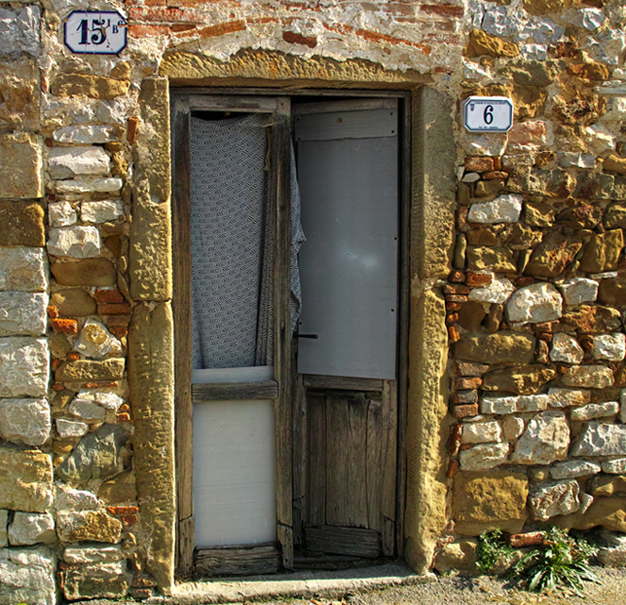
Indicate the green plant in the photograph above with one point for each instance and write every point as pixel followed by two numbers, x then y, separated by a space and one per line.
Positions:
pixel 492 550
pixel 560 561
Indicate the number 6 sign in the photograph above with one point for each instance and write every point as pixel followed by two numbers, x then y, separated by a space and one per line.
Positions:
pixel 95 32
pixel 488 114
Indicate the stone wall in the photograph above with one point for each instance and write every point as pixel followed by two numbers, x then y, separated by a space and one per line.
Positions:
pixel 528 280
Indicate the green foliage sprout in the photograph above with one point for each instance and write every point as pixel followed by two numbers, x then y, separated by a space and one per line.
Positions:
pixel 492 550
pixel 560 561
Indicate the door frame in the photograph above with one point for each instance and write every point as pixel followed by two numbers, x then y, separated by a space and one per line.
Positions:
pixel 275 102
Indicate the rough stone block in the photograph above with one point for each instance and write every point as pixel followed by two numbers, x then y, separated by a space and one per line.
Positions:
pixel 97 455
pixel 565 348
pixel 21 166
pixel 28 487
pixel 545 440
pixel 71 428
pixel 486 258
pixel 84 370
pixel 481 501
pixel 23 269
pixel 96 87
pixel 24 367
pixel 484 456
pixel 19 95
pixel 61 214
pixel 504 209
pixel 554 498
pixel 595 410
pixel 108 581
pixel 93 554
pixel 110 185
pixel 498 291
pixel 86 135
pixel 22 223
pixel 32 528
pixel 75 499
pixel 535 303
pixel 481 432
pixel 459 555
pixel 75 242
pixel 87 410
pixel 150 251
pixel 27 576
pixel 23 313
pixel 89 272
pixel 593 377
pixel 599 439
pixel 4 522
pixel 96 341
pixel 121 489
pixel 69 162
pixel 524 380
pixel 25 420
pixel 501 347
pixel 74 302
pixel 570 469
pixel 609 347
pixel 617 466
pixel 603 486
pixel 88 526
pixel 101 212
pixel 20 31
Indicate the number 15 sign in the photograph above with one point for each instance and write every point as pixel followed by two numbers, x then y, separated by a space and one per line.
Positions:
pixel 95 32
pixel 488 114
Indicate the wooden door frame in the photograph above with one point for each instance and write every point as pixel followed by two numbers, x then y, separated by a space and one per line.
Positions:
pixel 183 101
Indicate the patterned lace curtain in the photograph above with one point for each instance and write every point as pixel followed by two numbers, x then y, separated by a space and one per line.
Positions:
pixel 231 243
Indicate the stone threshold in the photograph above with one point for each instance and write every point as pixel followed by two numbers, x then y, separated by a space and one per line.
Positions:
pixel 327 585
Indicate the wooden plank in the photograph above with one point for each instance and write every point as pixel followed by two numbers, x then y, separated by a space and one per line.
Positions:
pixel 388 466
pixel 285 539
pixel 266 389
pixel 374 481
pixel 186 543
pixel 406 180
pixel 356 541
pixel 281 186
pixel 238 103
pixel 346 462
pixel 342 383
pixel 181 304
pixel 237 561
pixel 316 464
pixel 347 105
pixel 326 561
pixel 299 457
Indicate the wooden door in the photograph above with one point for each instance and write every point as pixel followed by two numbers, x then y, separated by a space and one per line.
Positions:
pixel 346 408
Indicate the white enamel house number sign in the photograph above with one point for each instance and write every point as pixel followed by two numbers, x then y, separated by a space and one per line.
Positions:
pixel 488 114
pixel 95 32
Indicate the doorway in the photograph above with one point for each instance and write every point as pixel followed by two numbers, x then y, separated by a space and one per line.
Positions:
pixel 318 416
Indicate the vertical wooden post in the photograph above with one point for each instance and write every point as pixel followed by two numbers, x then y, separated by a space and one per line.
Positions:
pixel 281 159
pixel 181 250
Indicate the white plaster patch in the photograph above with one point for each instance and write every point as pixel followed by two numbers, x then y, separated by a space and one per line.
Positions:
pixel 19 31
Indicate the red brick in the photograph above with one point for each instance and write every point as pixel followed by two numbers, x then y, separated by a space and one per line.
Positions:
pixel 179 28
pixel 545 336
pixel 100 385
pixel 467 368
pixel 469 382
pixel 464 397
pixel 114 309
pixel 455 298
pixel 520 282
pixel 118 320
pixel 531 538
pixel 57 387
pixel 545 326
pixel 142 30
pixel 55 363
pixel 123 417
pixel 456 289
pixel 452 318
pixel 73 356
pixel 163 15
pixel 457 276
pixel 295 38
pixel 453 334
pixel 497 163
pixel 122 510
pixel 109 296
pixel 479 164
pixel 495 175
pixel 219 30
pixel 68 326
pixel 478 279
pixel 119 331
pixel 453 468
pixel 452 307
pixel 53 312
pixel 443 10
pixel 131 136
pixel 465 411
